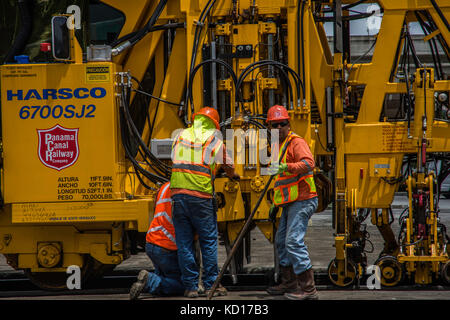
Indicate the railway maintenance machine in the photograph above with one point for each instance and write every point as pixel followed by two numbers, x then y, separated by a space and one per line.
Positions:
pixel 87 128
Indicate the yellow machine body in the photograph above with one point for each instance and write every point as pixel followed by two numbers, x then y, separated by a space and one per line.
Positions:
pixel 85 206
pixel 60 124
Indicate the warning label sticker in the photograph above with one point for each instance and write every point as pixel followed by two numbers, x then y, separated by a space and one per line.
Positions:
pixel 97 73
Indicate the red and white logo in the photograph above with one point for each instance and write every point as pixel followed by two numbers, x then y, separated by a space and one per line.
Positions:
pixel 58 147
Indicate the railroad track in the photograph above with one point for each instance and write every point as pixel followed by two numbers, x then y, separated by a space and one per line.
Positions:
pixel 20 286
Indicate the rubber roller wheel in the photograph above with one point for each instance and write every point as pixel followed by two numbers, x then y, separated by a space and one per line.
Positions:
pixel 391 271
pixel 338 276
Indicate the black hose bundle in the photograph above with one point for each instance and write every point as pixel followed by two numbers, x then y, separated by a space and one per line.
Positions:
pixel 132 140
pixel 198 29
pixel 133 38
pixel 283 68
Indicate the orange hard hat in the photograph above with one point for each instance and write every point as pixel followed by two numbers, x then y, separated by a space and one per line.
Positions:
pixel 277 113
pixel 210 113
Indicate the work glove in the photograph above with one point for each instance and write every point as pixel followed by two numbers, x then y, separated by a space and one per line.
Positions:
pixel 282 167
pixel 273 213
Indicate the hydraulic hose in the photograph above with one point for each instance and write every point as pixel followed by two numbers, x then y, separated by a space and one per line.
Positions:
pixel 278 65
pixel 198 31
pixel 441 15
pixel 245 73
pixel 25 30
pixel 141 33
pixel 152 29
pixel 189 95
pixel 164 169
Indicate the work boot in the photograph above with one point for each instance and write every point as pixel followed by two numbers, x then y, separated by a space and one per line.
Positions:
pixel 288 282
pixel 191 293
pixel 220 291
pixel 307 290
pixel 139 285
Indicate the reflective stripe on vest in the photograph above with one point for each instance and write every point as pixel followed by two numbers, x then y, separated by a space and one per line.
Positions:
pixel 158 228
pixel 191 169
pixel 161 231
pixel 286 186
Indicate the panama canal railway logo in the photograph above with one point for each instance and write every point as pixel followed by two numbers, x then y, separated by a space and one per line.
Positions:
pixel 58 147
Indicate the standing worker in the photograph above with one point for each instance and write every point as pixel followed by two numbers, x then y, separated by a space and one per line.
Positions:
pixel 196 151
pixel 161 248
pixel 295 192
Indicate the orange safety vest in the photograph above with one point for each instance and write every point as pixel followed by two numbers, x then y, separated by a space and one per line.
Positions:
pixel 286 189
pixel 161 231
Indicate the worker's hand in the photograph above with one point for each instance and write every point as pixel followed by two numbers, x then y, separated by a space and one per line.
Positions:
pixel 273 213
pixel 282 167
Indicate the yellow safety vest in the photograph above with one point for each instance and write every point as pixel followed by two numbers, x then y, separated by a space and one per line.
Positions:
pixel 193 163
pixel 287 184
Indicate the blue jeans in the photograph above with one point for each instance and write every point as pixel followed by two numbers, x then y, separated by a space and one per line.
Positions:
pixel 193 215
pixel 290 235
pixel 166 280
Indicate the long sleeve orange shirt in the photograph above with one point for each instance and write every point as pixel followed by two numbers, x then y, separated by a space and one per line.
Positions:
pixel 300 160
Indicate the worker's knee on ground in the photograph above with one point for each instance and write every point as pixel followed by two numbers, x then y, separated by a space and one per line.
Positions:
pixel 153 283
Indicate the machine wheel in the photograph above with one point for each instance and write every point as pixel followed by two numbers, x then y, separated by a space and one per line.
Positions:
pixel 391 271
pixel 57 281
pixel 445 272
pixel 338 277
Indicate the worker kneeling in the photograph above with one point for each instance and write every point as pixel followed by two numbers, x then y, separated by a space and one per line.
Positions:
pixel 161 248
pixel 295 192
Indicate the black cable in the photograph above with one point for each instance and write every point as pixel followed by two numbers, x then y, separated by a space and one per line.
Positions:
pixel 152 29
pixel 189 94
pixel 133 39
pixel 346 18
pixel 406 71
pixel 156 162
pixel 246 72
pixel 441 15
pixel 154 17
pixel 318 137
pixel 151 176
pixel 195 45
pixel 278 65
pixel 274 63
pixel 432 27
pixel 413 50
pixel 156 98
pixel 433 47
pixel 300 34
pixel 285 83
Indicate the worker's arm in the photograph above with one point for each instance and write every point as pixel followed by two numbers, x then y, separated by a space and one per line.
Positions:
pixel 299 157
